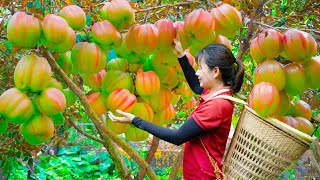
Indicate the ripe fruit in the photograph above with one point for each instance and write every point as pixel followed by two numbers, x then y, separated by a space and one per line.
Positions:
pixel 147 83
pixel 181 33
pixel 55 28
pixel 97 101
pixel 296 82
pixel 88 58
pixel 228 20
pixel 312 71
pixel 264 98
pixel 304 125
pixel 115 79
pixel 284 105
pixel 270 43
pixel 15 106
pixel 32 72
pixel 119 13
pixel 270 71
pixel 94 81
pixel 51 101
pixel 167 33
pixel 38 130
pixel 75 16
pixel 121 99
pixel 302 109
pixel 289 120
pixel 106 35
pixel 199 26
pixel 255 51
pixel 23 30
pixel 223 40
pixel 298 45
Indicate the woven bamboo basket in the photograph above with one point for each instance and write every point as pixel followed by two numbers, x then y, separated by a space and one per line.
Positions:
pixel 260 150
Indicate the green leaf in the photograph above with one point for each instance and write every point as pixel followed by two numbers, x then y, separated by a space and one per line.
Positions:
pixel 103 167
pixel 38 5
pixel 88 20
pixel 30 4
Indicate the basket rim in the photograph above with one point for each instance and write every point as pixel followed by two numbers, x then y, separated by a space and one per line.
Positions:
pixel 290 131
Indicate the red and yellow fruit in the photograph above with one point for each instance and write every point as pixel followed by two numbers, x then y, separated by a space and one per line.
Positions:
pixel 16 106
pixel 167 33
pixel 223 40
pixel 51 101
pixel 75 16
pixel 312 71
pixel 32 72
pixel 106 35
pixel 264 98
pixel 119 64
pixel 299 45
pixel 38 130
pixel 304 125
pixel 160 101
pixel 147 83
pixel 181 33
pixel 270 43
pixel 255 51
pixel 23 30
pixel 97 101
pixel 88 58
pixel 121 99
pixel 55 28
pixel 115 79
pixel 296 82
pixel 270 71
pixel 94 81
pixel 284 105
pixel 290 121
pixel 228 20
pixel 145 112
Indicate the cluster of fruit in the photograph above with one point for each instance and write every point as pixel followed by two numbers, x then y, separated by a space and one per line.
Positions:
pixel 276 84
pixel 144 79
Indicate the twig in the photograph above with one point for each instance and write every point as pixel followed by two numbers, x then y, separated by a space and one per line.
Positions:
pixel 152 151
pixel 285 28
pixel 167 5
pixel 84 133
pixel 244 43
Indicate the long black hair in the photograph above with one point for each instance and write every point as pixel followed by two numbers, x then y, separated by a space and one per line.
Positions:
pixel 232 69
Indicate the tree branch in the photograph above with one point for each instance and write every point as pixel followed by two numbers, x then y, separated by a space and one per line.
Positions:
pixel 276 28
pixel 178 163
pixel 167 5
pixel 84 133
pixel 104 131
pixel 153 149
pixel 244 43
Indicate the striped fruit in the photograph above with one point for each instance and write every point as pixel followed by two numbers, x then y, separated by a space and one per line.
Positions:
pixel 23 30
pixel 119 64
pixel 66 45
pixel 223 40
pixel 142 39
pixel 228 20
pixel 296 82
pixel 160 101
pixel 145 112
pixel 169 79
pixel 51 101
pixel 55 28
pixel 270 71
pixel 289 120
pixel 255 51
pixel 181 32
pixel 115 79
pixel 121 99
pixel 304 125
pixel 15 106
pixel 312 71
pixel 199 26
pixel 38 130
pixel 167 33
pixel 71 97
pixel 120 14
pixel 97 101
pixel 116 127
pixel 264 98
pixel 32 72
pixel 270 43
pixel 65 62
pixel 164 59
pixel 147 83
pixel 299 46
pixel 75 16
pixel 106 35
pixel 54 83
pixel 284 106
pixel 165 116
pixel 94 81
pixel 302 109
pixel 88 58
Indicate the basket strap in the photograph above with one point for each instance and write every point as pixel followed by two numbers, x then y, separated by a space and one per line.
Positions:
pixel 218 173
pixel 231 99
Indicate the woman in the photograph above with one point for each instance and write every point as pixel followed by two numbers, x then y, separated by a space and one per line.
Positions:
pixel 206 130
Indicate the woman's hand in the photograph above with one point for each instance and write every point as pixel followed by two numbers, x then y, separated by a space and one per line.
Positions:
pixel 177 48
pixel 126 117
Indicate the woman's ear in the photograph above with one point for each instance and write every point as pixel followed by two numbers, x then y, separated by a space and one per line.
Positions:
pixel 216 72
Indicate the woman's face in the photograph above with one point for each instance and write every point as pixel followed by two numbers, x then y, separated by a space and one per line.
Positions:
pixel 207 77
